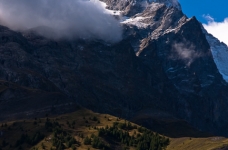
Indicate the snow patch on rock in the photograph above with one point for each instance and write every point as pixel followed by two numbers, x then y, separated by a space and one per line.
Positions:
pixel 137 21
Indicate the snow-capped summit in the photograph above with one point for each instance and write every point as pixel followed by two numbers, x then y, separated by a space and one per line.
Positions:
pixel 132 7
pixel 168 3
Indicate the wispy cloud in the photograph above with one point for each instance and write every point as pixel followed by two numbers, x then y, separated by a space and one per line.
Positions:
pixel 217 29
pixel 185 52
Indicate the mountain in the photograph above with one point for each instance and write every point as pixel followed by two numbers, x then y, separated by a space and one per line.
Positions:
pixel 165 68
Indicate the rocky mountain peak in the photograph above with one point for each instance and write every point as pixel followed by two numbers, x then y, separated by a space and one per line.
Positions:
pixel 168 3
pixel 132 7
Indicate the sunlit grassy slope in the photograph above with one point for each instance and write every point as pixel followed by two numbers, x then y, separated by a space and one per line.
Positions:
pixel 188 143
pixel 79 125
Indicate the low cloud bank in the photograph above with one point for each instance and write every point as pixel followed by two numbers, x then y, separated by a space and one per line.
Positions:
pixel 217 29
pixel 61 19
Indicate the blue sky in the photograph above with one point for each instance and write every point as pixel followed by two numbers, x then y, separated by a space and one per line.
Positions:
pixel 218 9
pixel 212 13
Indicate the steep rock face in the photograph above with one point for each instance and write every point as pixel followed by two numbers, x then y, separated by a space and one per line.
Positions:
pixel 92 73
pixel 190 67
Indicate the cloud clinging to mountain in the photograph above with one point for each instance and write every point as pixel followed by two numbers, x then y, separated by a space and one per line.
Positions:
pixel 62 18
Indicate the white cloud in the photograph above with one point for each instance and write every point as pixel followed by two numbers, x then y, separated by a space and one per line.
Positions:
pixel 61 18
pixel 217 29
pixel 185 52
